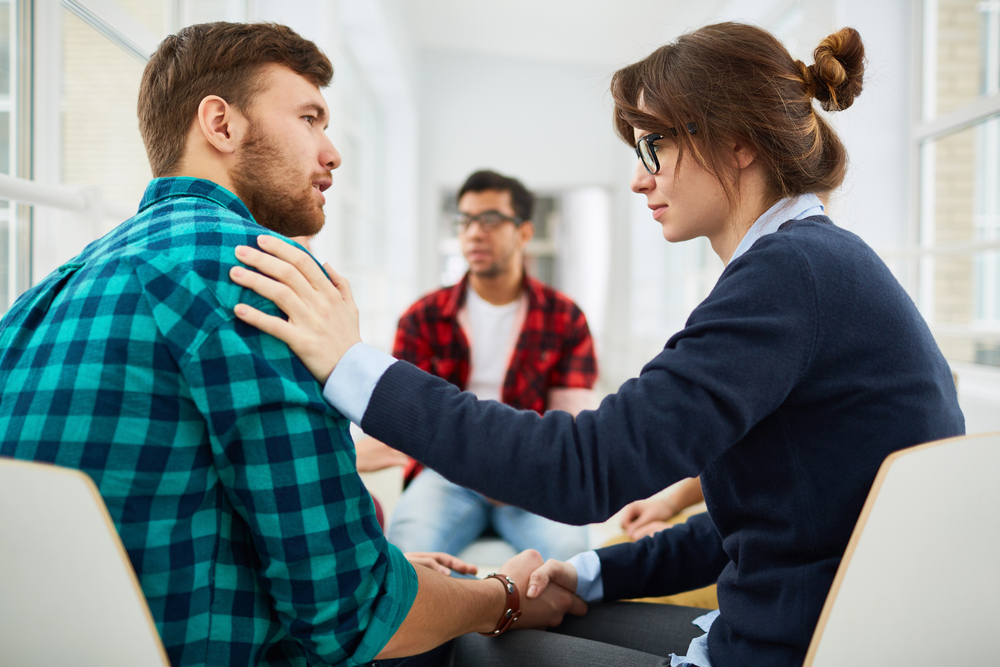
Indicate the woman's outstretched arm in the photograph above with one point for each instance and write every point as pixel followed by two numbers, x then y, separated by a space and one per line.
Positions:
pixel 743 351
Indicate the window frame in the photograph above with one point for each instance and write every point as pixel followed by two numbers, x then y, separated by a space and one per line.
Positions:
pixel 927 128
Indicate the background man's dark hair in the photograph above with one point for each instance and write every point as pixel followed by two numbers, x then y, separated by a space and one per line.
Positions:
pixel 521 199
pixel 221 59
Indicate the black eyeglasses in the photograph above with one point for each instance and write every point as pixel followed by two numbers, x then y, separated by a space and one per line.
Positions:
pixel 645 148
pixel 487 220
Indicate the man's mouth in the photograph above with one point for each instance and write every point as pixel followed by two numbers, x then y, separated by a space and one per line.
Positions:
pixel 323 184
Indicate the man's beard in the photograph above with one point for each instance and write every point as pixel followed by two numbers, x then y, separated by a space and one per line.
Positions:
pixel 498 266
pixel 491 271
pixel 265 188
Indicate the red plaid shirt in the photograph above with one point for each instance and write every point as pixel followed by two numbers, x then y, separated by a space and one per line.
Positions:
pixel 554 349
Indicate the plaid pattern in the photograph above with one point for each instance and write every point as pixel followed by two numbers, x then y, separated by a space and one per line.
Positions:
pixel 231 481
pixel 554 349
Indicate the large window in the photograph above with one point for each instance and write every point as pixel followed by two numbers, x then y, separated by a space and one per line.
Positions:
pixel 958 135
pixel 69 80
pixel 102 147
pixel 89 57
pixel 12 225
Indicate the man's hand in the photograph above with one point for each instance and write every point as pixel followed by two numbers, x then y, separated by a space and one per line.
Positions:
pixel 374 455
pixel 645 517
pixel 547 607
pixel 440 562
pixel 322 318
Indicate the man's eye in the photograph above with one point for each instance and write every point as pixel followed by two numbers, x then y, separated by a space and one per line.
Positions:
pixel 310 119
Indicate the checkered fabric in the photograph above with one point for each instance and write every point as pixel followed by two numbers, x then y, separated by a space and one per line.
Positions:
pixel 554 349
pixel 231 481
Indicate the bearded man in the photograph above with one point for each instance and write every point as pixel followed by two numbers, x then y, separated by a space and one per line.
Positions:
pixel 230 480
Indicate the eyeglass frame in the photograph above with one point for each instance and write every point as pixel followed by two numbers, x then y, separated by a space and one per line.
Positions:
pixel 647 140
pixel 463 220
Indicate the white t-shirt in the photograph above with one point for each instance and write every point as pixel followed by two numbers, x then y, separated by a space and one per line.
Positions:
pixel 491 330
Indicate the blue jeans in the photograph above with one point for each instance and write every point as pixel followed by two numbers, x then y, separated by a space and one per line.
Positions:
pixel 435 515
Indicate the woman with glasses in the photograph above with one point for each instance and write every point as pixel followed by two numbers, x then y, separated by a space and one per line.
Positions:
pixel 791 382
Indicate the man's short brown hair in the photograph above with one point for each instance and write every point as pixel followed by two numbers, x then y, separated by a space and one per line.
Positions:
pixel 221 59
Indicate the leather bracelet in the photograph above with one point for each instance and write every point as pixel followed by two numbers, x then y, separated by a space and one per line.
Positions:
pixel 512 608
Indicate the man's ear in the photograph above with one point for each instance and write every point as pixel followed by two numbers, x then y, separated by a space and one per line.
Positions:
pixel 525 232
pixel 221 124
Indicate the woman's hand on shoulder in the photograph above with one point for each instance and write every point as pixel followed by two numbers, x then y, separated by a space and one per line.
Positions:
pixel 322 317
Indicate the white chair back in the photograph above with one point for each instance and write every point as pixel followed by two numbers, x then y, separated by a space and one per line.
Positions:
pixel 919 583
pixel 68 593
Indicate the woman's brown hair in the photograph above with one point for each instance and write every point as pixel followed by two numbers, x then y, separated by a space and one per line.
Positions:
pixel 737 82
pixel 223 59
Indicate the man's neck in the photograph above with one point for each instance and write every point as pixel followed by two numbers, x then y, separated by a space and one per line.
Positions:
pixel 498 290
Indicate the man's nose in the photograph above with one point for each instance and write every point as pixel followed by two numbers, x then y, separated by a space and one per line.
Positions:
pixel 329 157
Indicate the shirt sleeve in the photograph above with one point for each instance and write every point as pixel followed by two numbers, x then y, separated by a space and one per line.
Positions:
pixel 410 345
pixel 350 385
pixel 577 365
pixel 589 584
pixel 285 462
pixel 288 468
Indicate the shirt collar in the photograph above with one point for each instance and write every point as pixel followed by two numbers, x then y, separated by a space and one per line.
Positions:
pixel 183 186
pixel 456 297
pixel 790 208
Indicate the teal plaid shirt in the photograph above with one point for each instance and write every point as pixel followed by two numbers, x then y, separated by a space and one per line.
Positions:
pixel 231 481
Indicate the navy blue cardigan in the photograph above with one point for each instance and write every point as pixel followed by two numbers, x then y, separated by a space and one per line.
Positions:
pixel 806 365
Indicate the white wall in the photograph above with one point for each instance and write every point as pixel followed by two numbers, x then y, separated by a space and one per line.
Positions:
pixel 546 123
pixel 383 262
pixel 875 200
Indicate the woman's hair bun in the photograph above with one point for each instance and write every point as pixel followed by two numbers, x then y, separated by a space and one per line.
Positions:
pixel 836 77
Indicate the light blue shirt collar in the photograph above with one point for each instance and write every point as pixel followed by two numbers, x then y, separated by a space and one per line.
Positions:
pixel 790 208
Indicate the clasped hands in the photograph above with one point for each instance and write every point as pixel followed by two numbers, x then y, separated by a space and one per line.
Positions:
pixel 547 588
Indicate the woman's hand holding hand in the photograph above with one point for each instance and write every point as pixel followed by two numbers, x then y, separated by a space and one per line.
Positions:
pixel 557 572
pixel 322 317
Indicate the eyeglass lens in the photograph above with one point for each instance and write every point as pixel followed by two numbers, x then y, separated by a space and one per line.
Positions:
pixel 488 219
pixel 647 152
